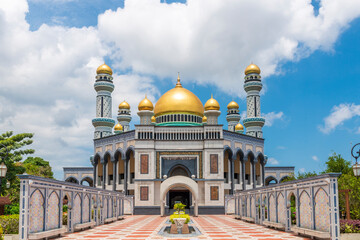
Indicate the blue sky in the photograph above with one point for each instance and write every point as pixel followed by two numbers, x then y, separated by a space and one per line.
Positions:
pixel 310 69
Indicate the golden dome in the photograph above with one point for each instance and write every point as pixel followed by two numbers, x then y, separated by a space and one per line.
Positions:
pixel 153 119
pixel 118 127
pixel 145 104
pixel 212 104
pixel 233 105
pixel 252 68
pixel 239 127
pixel 124 105
pixel 204 119
pixel 177 100
pixel 104 69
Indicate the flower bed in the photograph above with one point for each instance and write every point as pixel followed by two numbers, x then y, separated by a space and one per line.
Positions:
pixel 349 226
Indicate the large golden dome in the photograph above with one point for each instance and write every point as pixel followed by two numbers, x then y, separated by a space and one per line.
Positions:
pixel 179 100
pixel 212 104
pixel 104 69
pixel 145 104
pixel 252 68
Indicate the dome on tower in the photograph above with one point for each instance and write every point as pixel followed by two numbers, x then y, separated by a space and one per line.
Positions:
pixel 239 127
pixel 179 100
pixel 153 119
pixel 104 69
pixel 252 68
pixel 124 105
pixel 212 104
pixel 118 127
pixel 204 119
pixel 145 104
pixel 233 105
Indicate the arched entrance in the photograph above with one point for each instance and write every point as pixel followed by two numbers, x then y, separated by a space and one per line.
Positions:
pixel 182 183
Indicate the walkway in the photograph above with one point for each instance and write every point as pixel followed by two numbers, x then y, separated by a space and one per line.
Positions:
pixel 212 227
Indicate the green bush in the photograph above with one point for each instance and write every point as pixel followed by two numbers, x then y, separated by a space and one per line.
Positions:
pixel 12 209
pixel 65 219
pixel 175 215
pixel 10 224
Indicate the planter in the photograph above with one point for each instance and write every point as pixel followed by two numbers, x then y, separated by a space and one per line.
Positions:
pixel 179 223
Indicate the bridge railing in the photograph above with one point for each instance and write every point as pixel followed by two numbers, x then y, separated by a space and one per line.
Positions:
pixel 308 206
pixel 42 201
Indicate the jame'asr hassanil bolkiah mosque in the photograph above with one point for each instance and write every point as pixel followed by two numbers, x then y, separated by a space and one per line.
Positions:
pixel 178 151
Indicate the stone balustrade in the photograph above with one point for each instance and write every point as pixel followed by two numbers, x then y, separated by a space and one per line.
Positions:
pixel 316 204
pixel 42 201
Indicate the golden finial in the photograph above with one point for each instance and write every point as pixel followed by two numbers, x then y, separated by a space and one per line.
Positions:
pixel 211 95
pixel 178 84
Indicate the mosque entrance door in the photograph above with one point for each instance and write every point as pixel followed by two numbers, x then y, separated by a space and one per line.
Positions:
pixel 180 195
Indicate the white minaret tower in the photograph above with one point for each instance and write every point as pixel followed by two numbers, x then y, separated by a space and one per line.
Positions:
pixel 233 115
pixel 145 111
pixel 212 111
pixel 253 121
pixel 124 115
pixel 104 86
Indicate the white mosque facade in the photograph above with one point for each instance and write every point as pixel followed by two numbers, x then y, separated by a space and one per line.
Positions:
pixel 178 151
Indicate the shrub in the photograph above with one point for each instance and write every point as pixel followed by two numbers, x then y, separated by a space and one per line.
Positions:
pixel 65 219
pixel 349 226
pixel 12 209
pixel 10 223
pixel 175 215
pixel 1 233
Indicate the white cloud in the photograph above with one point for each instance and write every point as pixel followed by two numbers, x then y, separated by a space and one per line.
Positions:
pixel 271 117
pixel 302 170
pixel 212 41
pixel 273 161
pixel 315 158
pixel 338 115
pixel 281 147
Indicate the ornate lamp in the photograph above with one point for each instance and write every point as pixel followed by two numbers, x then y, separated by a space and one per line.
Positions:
pixel 3 168
pixel 356 155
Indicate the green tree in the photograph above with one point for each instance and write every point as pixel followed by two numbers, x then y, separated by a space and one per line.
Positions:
pixel 337 164
pixel 306 175
pixel 38 167
pixel 16 147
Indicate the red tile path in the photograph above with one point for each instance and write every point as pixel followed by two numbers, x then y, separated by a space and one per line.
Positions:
pixel 211 226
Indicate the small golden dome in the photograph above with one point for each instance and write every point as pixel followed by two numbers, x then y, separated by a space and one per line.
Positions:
pixel 124 105
pixel 212 104
pixel 252 68
pixel 104 69
pixel 145 104
pixel 204 119
pixel 233 105
pixel 118 127
pixel 239 127
pixel 178 100
pixel 153 119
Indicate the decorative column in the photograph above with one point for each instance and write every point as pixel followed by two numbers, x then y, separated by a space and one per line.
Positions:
pixel 243 174
pixel 253 121
pixel 104 86
pixel 253 172
pixel 125 176
pixel 104 175
pixel 232 162
pixel 114 173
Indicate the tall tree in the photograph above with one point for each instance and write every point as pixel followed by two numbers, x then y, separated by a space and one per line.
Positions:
pixel 38 167
pixel 338 164
pixel 15 145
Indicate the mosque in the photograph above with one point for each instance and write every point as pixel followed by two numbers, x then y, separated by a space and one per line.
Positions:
pixel 178 151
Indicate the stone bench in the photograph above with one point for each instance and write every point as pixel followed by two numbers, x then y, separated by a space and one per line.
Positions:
pixel 81 226
pixel 248 219
pixel 310 232
pixel 47 234
pixel 274 225
pixel 109 220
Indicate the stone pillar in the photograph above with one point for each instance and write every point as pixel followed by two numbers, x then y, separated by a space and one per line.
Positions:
pixel 243 174
pixel 253 174
pixel 232 165
pixel 125 176
pixel 95 175
pixel 263 174
pixel 114 174
pixel 104 175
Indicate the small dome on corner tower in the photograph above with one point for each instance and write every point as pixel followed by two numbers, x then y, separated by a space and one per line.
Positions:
pixel 252 68
pixel 104 69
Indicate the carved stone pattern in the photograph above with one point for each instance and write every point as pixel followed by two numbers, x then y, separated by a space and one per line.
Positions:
pixel 144 163
pixel 214 163
pixel 214 193
pixel 86 209
pixel 281 209
pixel 305 211
pixel 53 217
pixel 321 211
pixel 77 209
pixel 144 193
pixel 36 212
pixel 272 208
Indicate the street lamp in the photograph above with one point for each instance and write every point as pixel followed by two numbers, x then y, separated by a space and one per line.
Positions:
pixel 3 168
pixel 356 155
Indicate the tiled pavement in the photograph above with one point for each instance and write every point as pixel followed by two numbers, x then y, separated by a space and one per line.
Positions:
pixel 211 226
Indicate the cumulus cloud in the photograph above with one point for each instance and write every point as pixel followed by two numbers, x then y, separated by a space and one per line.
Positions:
pixel 273 161
pixel 211 41
pixel 271 117
pixel 315 158
pixel 338 115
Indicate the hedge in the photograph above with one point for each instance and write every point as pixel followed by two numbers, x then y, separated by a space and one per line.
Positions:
pixel 10 223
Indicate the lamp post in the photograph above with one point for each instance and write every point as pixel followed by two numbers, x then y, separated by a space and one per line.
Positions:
pixel 356 155
pixel 3 168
